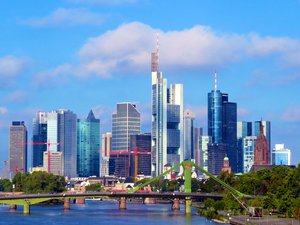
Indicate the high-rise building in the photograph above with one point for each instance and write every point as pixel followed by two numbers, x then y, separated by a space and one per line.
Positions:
pixel 18 147
pixel 222 126
pixel 56 163
pixel 140 145
pixel 216 154
pixel 125 122
pixel 244 129
pixel 62 133
pixel 106 144
pixel 248 146
pixel 189 118
pixel 39 136
pixel 197 146
pixel 262 151
pixel 105 154
pixel 281 155
pixel 205 141
pixel 88 144
pixel 159 118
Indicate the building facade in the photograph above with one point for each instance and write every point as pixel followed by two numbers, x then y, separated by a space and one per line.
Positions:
pixel 248 146
pixel 222 126
pixel 88 144
pixel 56 163
pixel 262 151
pixel 189 135
pixel 39 136
pixel 125 122
pixel 197 146
pixel 140 146
pixel 17 147
pixel 281 155
pixel 244 129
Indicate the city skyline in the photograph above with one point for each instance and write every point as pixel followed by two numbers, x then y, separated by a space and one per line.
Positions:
pixel 256 62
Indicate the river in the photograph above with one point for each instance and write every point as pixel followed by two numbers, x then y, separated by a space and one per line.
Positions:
pixel 101 212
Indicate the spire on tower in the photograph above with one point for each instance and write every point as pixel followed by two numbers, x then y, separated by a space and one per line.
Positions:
pixel 216 80
pixel 155 56
pixel 157 50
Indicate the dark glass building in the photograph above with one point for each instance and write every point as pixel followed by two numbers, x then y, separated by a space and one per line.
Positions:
pixel 222 120
pixel 142 144
pixel 39 136
pixel 88 145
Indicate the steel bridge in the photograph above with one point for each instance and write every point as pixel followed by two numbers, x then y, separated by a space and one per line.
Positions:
pixel 31 199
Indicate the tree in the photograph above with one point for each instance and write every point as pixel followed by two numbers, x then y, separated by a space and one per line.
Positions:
pixel 93 187
pixel 5 185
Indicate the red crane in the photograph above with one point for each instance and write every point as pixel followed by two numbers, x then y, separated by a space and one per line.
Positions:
pixel 136 154
pixel 48 149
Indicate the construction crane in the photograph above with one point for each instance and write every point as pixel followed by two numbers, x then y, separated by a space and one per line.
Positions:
pixel 136 154
pixel 48 143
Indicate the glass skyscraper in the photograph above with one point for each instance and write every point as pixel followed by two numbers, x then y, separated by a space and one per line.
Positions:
pixel 189 135
pixel 244 129
pixel 222 125
pixel 125 122
pixel 281 155
pixel 88 146
pixel 18 147
pixel 39 136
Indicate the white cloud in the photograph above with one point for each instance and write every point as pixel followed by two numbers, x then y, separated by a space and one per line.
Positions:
pixel 291 114
pixel 103 2
pixel 3 110
pixel 11 66
pixel 127 49
pixel 69 17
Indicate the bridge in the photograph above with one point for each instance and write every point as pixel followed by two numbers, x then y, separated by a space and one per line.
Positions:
pixel 29 199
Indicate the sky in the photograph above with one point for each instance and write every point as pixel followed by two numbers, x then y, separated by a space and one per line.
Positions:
pixel 92 54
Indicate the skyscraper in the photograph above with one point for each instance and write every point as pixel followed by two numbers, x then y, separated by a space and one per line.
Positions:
pixel 205 142
pixel 88 144
pixel 244 129
pixel 222 119
pixel 125 122
pixel 189 135
pixel 39 136
pixel 18 147
pixel 197 146
pixel 105 154
pixel 159 118
pixel 142 144
pixel 281 155
pixel 62 130
pixel 248 146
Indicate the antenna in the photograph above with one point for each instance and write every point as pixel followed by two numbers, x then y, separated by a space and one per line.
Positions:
pixel 157 50
pixel 216 80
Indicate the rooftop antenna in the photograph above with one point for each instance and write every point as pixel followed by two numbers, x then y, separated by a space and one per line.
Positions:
pixel 157 50
pixel 216 80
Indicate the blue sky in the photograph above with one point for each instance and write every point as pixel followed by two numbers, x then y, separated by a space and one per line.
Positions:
pixel 91 54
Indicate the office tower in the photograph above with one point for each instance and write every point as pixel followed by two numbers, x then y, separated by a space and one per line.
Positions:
pixel 56 162
pixel 140 146
pixel 197 146
pixel 62 133
pixel 105 154
pixel 205 141
pixel 159 117
pixel 266 130
pixel 125 122
pixel 189 118
pixel 281 155
pixel 18 147
pixel 244 129
pixel 106 144
pixel 88 146
pixel 216 154
pixel 248 146
pixel 39 136
pixel 262 151
pixel 222 120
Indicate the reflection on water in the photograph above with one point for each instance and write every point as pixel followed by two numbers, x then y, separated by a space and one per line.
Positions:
pixel 100 212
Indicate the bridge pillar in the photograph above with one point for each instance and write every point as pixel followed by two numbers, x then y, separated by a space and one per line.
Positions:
pixel 175 204
pixel 188 203
pixel 122 203
pixel 80 201
pixel 67 204
pixel 13 207
pixel 26 208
